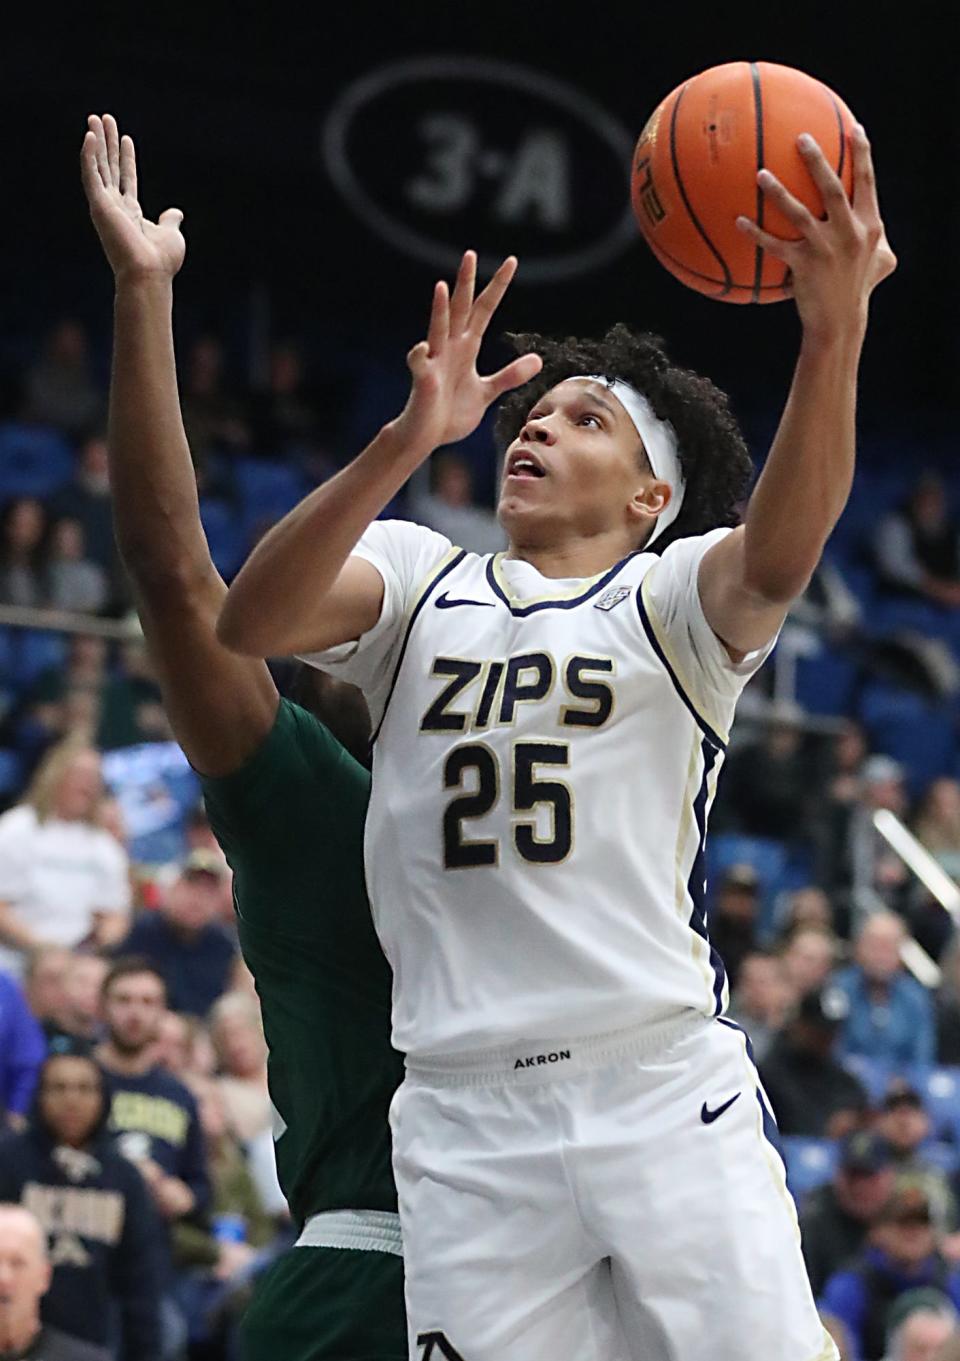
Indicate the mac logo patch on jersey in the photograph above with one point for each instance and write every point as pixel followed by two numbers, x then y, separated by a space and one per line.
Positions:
pixel 610 599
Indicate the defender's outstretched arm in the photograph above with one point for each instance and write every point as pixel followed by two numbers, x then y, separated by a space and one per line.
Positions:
pixel 221 706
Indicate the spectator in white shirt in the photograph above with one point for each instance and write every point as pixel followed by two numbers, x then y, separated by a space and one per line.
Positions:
pixel 449 507
pixel 63 879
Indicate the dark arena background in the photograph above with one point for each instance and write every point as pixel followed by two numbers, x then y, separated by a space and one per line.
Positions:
pixel 331 165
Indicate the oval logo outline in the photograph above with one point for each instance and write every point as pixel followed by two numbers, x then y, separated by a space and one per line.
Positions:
pixel 431 251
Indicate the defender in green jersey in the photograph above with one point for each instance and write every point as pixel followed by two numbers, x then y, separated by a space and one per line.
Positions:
pixel 287 803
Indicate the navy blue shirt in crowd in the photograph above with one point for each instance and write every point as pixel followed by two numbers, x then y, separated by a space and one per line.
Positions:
pixel 102 1231
pixel 155 1116
pixel 197 969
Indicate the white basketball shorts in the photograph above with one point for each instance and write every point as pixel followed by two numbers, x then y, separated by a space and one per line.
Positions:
pixel 604 1200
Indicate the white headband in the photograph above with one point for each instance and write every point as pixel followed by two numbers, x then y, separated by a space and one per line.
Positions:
pixel 659 442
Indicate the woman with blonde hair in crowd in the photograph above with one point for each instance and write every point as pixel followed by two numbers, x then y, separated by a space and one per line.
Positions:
pixel 64 880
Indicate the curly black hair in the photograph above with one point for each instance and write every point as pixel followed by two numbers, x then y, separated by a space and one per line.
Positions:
pixel 713 454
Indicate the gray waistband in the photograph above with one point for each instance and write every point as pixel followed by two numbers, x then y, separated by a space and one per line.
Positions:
pixel 553 1060
pixel 362 1230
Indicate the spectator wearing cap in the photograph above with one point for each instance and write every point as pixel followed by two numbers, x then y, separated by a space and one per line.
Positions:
pixel 22 1050
pixel 811 1094
pixel 905 1124
pixel 184 941
pixel 902 1254
pixel 920 1323
pixel 25 1276
pixel 762 999
pixel 733 918
pixel 837 1217
pixel 890 1016
pixel 94 1207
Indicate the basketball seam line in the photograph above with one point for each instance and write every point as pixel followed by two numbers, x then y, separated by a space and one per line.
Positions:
pixel 658 249
pixel 758 109
pixel 728 277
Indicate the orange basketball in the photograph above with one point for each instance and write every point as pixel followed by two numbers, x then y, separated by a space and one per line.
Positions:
pixel 695 170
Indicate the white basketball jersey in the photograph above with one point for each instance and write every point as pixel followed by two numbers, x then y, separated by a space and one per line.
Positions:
pixel 545 757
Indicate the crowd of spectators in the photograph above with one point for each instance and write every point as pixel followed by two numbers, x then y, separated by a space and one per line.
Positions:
pixel 137 1164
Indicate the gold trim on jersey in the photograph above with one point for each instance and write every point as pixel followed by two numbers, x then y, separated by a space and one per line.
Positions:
pixel 663 639
pixel 581 588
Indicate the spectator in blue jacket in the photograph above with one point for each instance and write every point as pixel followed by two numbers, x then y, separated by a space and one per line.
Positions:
pixel 902 1255
pixel 22 1049
pixel 101 1227
pixel 184 941
pixel 891 1017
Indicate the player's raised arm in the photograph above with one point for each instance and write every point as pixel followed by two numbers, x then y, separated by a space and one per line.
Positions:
pixel 749 579
pixel 220 706
pixel 300 590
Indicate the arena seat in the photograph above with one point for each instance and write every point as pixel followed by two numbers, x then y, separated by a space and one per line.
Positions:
pixel 919 734
pixel 943 1157
pixel 940 1089
pixel 34 650
pixel 34 460
pixel 826 683
pixel 266 490
pixel 225 535
pixel 770 859
pixel 873 1074
pixel 11 773
pixel 809 1162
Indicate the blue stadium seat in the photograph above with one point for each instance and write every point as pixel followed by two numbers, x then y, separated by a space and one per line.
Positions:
pixel 941 1156
pixel 874 1074
pixel 34 651
pixel 940 1089
pixel 266 490
pixel 921 735
pixel 225 535
pixel 11 772
pixel 810 1163
pixel 826 683
pixel 34 461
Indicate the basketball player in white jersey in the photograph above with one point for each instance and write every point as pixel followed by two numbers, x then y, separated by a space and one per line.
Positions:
pixel 581 1138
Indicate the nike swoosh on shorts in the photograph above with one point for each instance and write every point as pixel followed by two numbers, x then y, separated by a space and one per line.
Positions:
pixel 708 1116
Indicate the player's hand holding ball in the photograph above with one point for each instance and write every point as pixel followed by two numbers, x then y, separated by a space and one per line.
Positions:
pixel 448 397
pixel 134 246
pixel 839 259
pixel 753 182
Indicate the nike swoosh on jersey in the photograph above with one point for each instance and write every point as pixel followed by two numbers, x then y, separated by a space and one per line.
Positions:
pixel 443 602
pixel 708 1116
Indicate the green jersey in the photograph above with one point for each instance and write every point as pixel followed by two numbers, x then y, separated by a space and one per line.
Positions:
pixel 291 825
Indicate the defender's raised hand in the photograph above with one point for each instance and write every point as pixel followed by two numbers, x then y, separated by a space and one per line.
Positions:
pixel 839 258
pixel 133 245
pixel 449 397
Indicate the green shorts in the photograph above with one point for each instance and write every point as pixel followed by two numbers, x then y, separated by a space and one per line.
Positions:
pixel 328 1304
